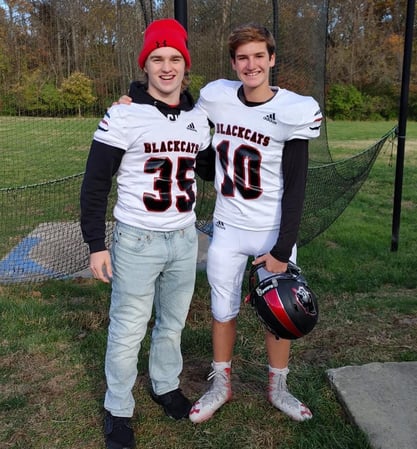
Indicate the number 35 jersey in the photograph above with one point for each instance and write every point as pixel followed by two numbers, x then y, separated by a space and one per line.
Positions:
pixel 249 142
pixel 156 188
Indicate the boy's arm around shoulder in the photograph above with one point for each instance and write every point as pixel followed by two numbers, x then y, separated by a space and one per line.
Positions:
pixel 205 164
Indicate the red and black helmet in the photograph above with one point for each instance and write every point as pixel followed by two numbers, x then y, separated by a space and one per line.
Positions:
pixel 283 302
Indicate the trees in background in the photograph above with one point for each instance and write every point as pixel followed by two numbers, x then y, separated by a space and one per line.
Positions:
pixel 44 44
pixel 77 92
pixel 365 52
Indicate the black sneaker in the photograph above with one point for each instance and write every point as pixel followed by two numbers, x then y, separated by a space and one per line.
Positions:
pixel 118 432
pixel 175 404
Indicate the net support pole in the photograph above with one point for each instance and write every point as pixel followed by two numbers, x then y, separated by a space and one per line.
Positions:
pixel 274 72
pixel 402 124
pixel 180 12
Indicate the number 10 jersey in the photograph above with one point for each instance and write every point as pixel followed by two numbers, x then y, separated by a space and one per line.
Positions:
pixel 249 142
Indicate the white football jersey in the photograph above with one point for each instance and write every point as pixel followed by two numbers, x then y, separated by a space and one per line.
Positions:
pixel 156 188
pixel 249 142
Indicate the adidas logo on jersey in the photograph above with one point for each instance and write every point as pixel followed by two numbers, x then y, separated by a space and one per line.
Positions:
pixel 270 118
pixel 191 127
pixel 219 224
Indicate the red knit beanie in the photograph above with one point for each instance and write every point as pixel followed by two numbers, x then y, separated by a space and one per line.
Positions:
pixel 164 33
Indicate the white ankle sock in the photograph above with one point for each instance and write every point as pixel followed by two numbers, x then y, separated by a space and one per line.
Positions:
pixel 281 371
pixel 282 399
pixel 219 366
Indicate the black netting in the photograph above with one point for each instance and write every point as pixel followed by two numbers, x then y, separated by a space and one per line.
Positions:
pixel 331 187
pixel 67 61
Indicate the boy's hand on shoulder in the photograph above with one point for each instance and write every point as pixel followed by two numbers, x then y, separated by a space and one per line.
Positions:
pixel 124 99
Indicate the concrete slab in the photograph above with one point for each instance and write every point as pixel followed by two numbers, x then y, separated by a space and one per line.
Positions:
pixel 381 399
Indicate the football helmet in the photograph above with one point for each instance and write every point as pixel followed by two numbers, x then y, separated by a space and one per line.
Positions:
pixel 283 302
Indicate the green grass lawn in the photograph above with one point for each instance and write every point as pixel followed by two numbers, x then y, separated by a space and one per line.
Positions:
pixel 35 150
pixel 53 336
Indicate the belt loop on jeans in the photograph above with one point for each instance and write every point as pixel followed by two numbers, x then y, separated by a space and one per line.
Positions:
pixel 170 234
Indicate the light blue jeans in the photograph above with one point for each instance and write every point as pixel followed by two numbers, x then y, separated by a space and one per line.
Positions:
pixel 149 269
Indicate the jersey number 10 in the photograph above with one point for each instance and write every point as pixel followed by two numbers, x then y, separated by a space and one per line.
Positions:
pixel 246 170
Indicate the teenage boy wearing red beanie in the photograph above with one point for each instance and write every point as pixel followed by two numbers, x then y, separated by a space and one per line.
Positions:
pixel 151 147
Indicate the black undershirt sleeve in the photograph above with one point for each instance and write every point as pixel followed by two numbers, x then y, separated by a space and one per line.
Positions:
pixel 294 170
pixel 205 164
pixel 102 163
